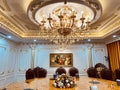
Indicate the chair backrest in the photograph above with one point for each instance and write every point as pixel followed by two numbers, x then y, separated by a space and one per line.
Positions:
pixel 40 72
pixel 99 67
pixel 73 71
pixel 92 72
pixel 117 73
pixel 106 74
pixel 29 74
pixel 60 70
pixel 36 71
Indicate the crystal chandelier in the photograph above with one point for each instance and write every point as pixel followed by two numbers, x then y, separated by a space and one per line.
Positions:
pixel 63 23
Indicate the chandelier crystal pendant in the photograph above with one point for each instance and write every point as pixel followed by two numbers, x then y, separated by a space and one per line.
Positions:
pixel 64 23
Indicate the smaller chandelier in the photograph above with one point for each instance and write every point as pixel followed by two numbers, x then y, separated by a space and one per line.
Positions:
pixel 64 23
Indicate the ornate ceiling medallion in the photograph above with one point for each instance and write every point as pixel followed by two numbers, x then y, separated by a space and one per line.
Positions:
pixel 64 22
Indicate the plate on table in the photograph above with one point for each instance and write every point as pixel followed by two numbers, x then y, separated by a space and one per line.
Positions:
pixel 28 89
pixel 94 82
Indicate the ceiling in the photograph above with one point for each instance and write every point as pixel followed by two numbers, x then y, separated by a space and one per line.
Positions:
pixel 14 20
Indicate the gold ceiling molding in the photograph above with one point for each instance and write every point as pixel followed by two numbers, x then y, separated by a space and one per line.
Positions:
pixel 9 26
pixel 1 8
pixel 22 28
pixel 6 5
pixel 13 25
pixel 111 28
pixel 106 22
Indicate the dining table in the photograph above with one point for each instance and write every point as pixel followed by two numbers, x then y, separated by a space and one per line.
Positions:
pixel 81 83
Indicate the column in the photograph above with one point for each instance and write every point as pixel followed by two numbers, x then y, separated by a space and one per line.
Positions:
pixel 32 55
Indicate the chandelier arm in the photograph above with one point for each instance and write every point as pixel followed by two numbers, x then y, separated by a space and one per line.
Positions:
pixel 82 26
pixel 61 22
pixel 73 20
pixel 65 1
pixel 50 24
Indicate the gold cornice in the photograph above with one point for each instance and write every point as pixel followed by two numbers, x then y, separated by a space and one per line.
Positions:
pixel 20 25
pixel 111 28
pixel 2 8
pixel 6 5
pixel 106 22
pixel 7 19
pixel 8 26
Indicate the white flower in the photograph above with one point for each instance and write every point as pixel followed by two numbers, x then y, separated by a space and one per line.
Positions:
pixel 55 84
pixel 68 85
pixel 60 84
pixel 71 82
pixel 67 80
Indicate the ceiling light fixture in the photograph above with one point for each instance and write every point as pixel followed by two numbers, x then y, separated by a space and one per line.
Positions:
pixel 64 23
pixel 9 37
pixel 89 40
pixel 34 40
pixel 114 36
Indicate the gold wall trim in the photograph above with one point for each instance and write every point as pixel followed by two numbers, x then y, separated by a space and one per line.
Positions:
pixel 10 71
pixel 1 73
pixel 6 5
pixel 20 70
pixel 3 47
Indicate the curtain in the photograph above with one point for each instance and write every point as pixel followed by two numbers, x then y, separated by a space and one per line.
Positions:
pixel 114 55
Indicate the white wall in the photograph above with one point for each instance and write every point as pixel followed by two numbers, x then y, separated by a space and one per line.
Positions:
pixel 80 52
pixel 7 61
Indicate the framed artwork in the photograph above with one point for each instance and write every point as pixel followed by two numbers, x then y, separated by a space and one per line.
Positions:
pixel 61 59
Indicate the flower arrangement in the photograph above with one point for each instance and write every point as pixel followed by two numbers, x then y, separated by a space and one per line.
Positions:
pixel 64 81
